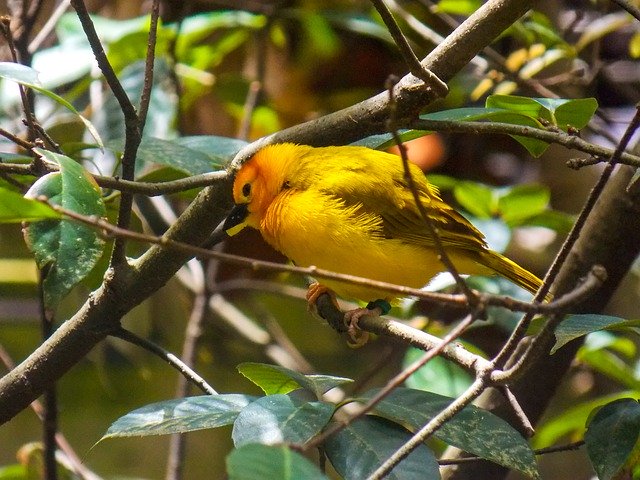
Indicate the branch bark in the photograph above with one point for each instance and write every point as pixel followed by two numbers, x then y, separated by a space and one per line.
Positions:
pixel 106 306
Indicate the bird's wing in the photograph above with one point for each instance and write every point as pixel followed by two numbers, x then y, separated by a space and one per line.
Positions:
pixel 390 197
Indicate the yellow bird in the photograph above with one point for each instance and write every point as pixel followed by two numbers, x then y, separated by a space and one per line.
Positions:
pixel 350 210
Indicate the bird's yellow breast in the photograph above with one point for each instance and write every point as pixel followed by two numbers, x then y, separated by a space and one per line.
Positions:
pixel 312 228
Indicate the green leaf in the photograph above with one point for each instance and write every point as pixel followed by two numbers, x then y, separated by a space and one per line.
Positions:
pixel 522 202
pixel 170 153
pixel 28 77
pixel 559 222
pixel 180 415
pixel 360 448
pixel 575 113
pixel 66 251
pixel 386 140
pixel 439 375
pixel 473 430
pixel 524 114
pixel 575 326
pixel 262 462
pixel 14 208
pixel 220 149
pixel 275 379
pixel 476 198
pixel 459 7
pixel 571 421
pixel 280 419
pixel 526 106
pixel 612 435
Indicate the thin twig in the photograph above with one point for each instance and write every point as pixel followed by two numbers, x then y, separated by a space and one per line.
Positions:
pixel 430 428
pixel 415 67
pixel 131 122
pixel 519 412
pixel 145 96
pixel 539 451
pixel 433 230
pixel 168 357
pixel 27 108
pixel 177 445
pixel 396 381
pixel 550 136
pixel 50 404
pixel 108 230
pixel 256 87
pixel 49 25
pixel 629 7
pixel 15 139
pixel 150 189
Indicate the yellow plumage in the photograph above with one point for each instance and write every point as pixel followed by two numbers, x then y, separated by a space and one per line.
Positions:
pixel 350 210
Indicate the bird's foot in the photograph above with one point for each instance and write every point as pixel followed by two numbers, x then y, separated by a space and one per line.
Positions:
pixel 314 291
pixel 358 337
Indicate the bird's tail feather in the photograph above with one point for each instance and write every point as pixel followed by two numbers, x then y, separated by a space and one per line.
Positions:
pixel 512 271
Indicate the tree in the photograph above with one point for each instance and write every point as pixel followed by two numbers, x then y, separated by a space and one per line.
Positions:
pixel 519 376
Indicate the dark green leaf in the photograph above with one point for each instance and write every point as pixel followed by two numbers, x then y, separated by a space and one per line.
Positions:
pixel 14 208
pixel 275 379
pixel 263 462
pixel 170 153
pixel 180 415
pixel 473 430
pixel 574 326
pixel 359 449
pixel 65 250
pixel 280 419
pixel 612 435
pixel 220 149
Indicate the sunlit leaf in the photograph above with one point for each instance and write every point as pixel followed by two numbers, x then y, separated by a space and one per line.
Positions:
pixel 14 208
pixel 280 419
pixel 180 415
pixel 276 379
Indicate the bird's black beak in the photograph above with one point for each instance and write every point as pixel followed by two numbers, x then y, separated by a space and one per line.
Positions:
pixel 235 221
pixel 230 226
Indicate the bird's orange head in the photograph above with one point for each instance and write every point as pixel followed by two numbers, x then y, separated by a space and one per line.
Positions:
pixel 257 183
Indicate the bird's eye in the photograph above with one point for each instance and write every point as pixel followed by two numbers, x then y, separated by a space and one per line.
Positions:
pixel 246 189
pixel 286 185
